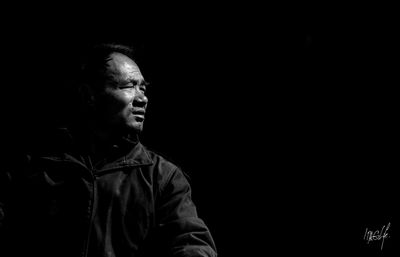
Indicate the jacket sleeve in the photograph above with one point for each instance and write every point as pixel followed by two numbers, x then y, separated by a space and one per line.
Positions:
pixel 5 193
pixel 11 164
pixel 8 178
pixel 4 188
pixel 182 232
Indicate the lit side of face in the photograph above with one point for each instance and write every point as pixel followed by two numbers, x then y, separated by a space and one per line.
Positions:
pixel 122 103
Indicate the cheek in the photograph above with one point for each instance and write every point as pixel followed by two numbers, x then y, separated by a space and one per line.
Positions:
pixel 122 100
pixel 117 103
pixel 126 99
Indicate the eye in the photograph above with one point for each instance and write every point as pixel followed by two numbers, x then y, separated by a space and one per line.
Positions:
pixel 124 87
pixel 140 86
pixel 128 85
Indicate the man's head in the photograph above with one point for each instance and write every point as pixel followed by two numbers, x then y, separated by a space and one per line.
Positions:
pixel 114 88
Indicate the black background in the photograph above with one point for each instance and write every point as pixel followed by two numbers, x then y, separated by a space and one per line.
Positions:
pixel 285 118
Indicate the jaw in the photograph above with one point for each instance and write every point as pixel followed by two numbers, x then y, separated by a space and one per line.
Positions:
pixel 134 126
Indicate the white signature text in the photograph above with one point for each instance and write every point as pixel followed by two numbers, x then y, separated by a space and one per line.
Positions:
pixel 377 235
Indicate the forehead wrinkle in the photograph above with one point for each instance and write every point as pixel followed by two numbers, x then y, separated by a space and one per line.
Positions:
pixel 123 68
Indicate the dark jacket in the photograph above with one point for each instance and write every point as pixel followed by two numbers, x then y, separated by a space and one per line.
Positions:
pixel 134 203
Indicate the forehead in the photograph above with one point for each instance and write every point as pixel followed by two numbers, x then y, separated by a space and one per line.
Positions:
pixel 122 67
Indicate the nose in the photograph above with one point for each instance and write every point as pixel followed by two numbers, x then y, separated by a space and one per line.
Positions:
pixel 140 99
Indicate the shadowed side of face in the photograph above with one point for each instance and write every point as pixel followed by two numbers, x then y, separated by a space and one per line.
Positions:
pixel 121 104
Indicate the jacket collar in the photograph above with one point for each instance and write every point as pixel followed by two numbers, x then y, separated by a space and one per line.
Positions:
pixel 138 156
pixel 71 146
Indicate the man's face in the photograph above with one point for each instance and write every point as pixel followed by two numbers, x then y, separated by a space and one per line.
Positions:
pixel 122 103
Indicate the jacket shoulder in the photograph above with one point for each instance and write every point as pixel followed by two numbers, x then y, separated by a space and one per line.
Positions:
pixel 164 168
pixel 160 161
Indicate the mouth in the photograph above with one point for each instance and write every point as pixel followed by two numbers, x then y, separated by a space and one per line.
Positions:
pixel 139 114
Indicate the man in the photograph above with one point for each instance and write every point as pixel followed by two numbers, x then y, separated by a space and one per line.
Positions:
pixel 93 189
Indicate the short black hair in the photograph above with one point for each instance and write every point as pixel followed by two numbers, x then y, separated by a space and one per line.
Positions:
pixel 94 60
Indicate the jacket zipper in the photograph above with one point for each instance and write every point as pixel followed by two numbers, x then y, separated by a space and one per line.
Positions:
pixel 92 204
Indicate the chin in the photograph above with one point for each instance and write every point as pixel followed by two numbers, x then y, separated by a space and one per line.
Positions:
pixel 136 127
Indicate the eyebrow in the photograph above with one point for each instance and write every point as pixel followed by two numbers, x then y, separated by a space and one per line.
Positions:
pixel 142 82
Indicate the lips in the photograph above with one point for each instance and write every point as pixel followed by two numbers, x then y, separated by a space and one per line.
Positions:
pixel 139 113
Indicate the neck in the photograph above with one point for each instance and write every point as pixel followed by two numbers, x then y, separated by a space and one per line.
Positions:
pixel 103 137
pixel 99 139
